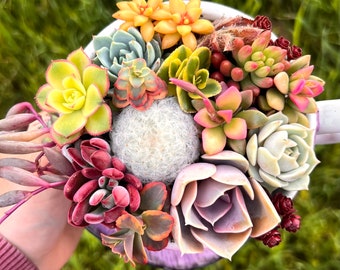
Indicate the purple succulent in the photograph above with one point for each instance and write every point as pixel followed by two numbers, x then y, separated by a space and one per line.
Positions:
pixel 218 207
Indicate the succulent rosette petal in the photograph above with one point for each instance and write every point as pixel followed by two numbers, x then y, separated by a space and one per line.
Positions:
pixel 216 206
pixel 281 155
pixel 75 90
pixel 122 46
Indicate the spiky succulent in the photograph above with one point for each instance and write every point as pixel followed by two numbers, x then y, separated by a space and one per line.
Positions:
pixel 123 46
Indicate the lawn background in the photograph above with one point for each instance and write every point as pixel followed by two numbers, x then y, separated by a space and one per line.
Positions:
pixel 34 32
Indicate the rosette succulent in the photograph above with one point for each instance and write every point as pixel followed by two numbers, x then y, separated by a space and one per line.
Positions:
pixel 260 61
pixel 299 84
pixel 100 188
pixel 123 46
pixel 216 206
pixel 141 13
pixel 281 155
pixel 193 67
pixel 75 91
pixel 138 86
pixel 183 24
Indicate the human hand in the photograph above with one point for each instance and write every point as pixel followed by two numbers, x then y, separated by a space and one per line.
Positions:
pixel 39 227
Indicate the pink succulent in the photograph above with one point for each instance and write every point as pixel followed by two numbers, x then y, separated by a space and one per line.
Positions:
pixel 218 206
pixel 100 188
pixel 221 123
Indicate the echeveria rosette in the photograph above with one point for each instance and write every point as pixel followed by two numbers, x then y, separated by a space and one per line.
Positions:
pixel 75 91
pixel 216 206
pixel 100 188
pixel 150 229
pixel 281 155
pixel 138 86
pixel 123 46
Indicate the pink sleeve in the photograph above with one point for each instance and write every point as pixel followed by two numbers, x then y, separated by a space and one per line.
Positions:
pixel 12 258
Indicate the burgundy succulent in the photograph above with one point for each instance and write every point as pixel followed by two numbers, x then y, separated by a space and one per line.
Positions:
pixel 100 188
pixel 271 238
pixel 291 222
pixel 262 22
pixel 283 204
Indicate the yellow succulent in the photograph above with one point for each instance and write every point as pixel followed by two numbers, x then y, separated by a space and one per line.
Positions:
pixel 184 23
pixel 141 13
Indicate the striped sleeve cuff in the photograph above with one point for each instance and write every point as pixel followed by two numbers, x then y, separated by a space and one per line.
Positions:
pixel 12 258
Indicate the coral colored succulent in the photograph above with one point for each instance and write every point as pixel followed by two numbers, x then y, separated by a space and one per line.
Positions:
pixel 150 229
pixel 75 91
pixel 138 86
pixel 281 155
pixel 141 13
pixel 123 46
pixel 185 22
pixel 218 207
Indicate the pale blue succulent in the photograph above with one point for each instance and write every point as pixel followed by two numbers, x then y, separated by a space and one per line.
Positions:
pixel 122 46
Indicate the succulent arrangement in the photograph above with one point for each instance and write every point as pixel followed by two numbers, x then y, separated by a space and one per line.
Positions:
pixel 179 130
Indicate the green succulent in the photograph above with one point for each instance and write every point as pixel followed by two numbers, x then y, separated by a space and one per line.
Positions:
pixel 190 66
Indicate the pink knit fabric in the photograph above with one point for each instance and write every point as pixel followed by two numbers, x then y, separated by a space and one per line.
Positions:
pixel 12 258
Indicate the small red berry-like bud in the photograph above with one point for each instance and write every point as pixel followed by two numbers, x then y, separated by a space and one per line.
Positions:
pixel 262 22
pixel 226 67
pixel 271 238
pixel 218 76
pixel 283 204
pixel 237 74
pixel 291 222
pixel 282 43
pixel 216 59
pixel 294 52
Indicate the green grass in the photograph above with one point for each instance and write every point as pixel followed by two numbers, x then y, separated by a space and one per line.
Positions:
pixel 32 33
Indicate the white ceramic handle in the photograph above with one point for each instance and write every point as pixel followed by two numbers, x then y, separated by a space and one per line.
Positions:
pixel 326 122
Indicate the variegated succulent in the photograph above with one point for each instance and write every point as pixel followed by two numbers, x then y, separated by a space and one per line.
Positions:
pixel 75 91
pixel 138 86
pixel 123 46
pixel 190 66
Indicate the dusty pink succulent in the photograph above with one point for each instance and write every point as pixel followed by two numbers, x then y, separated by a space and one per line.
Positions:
pixel 100 188
pixel 218 206
pixel 219 119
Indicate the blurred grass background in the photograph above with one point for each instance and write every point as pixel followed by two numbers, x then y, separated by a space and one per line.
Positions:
pixel 34 32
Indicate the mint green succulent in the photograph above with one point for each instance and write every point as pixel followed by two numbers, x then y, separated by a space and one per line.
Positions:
pixel 190 66
pixel 113 51
pixel 281 155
